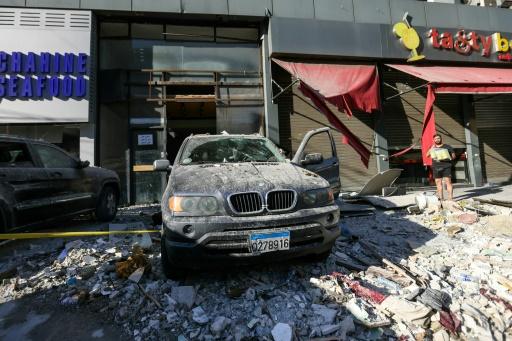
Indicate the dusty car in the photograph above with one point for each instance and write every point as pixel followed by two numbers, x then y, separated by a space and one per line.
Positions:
pixel 40 182
pixel 236 198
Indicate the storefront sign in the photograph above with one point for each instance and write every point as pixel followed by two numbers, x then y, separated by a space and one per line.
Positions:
pixel 466 43
pixel 43 75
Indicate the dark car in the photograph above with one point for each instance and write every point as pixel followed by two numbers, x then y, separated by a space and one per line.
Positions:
pixel 40 182
pixel 236 198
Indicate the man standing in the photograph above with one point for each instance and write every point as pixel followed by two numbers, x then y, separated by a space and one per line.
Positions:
pixel 442 156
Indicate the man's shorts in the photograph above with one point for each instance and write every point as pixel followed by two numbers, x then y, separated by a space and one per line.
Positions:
pixel 442 171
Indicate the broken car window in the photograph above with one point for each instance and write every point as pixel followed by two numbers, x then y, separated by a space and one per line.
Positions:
pixel 230 149
pixel 54 158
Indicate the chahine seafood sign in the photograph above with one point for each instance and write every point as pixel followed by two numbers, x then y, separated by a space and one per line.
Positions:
pixel 43 75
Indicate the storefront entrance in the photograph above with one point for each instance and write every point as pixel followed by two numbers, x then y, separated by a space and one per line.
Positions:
pixel 185 119
pixel 161 82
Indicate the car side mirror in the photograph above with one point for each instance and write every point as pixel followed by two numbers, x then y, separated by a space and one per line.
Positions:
pixel 83 164
pixel 162 165
pixel 312 159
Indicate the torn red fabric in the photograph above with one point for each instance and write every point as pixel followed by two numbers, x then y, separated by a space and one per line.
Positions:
pixel 348 87
pixel 348 136
pixel 359 290
pixel 450 321
pixel 429 127
pixel 491 297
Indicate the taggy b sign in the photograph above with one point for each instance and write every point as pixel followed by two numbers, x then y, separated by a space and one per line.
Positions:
pixel 466 43
pixel 463 42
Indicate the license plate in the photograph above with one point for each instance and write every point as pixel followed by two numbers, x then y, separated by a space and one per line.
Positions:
pixel 269 242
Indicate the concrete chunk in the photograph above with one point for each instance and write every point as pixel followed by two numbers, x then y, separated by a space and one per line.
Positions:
pixel 282 332
pixel 185 295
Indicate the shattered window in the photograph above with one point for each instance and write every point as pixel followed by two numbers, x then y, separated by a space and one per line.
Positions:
pixel 230 149
pixel 54 158
pixel 14 155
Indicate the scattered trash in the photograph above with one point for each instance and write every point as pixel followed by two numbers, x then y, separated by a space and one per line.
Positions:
pixel 365 314
pixel 388 284
pixel 435 299
pixel 427 201
pixel 137 260
pixel 136 275
pixel 397 274
pixel 412 312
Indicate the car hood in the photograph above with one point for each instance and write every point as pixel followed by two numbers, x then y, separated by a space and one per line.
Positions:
pixel 242 177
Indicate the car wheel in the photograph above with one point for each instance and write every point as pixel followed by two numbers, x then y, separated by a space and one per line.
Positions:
pixel 170 270
pixel 107 204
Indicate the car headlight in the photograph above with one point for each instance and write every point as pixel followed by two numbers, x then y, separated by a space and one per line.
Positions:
pixel 197 206
pixel 318 197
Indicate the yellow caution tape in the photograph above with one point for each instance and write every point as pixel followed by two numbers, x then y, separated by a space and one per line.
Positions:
pixel 69 234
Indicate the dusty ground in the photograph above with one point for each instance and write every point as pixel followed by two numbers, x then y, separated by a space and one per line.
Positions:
pixel 80 296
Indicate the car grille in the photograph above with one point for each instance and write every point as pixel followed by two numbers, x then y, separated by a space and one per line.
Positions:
pixel 246 203
pixel 281 200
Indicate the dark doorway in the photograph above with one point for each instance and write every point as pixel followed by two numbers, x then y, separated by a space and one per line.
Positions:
pixel 186 118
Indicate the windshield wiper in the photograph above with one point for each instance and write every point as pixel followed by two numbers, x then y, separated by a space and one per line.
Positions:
pixel 197 163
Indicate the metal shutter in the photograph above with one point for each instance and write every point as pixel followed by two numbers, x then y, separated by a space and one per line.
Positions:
pixel 403 116
pixel 494 124
pixel 306 117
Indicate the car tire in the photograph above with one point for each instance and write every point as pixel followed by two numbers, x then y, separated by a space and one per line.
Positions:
pixel 170 271
pixel 106 208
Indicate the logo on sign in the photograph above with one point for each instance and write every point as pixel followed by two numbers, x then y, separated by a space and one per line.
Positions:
pixel 408 37
pixel 43 75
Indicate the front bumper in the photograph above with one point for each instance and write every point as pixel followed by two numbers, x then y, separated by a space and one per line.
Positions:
pixel 215 240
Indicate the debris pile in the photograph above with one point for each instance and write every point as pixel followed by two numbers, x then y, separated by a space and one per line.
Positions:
pixel 435 273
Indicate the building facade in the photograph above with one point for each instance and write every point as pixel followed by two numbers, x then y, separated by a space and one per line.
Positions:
pixel 121 82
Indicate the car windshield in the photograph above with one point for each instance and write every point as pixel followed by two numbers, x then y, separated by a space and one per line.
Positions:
pixel 230 150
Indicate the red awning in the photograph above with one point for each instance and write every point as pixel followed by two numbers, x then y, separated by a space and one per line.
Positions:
pixel 462 80
pixel 348 87
pixel 345 86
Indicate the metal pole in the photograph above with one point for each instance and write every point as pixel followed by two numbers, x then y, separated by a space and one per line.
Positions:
pixel 284 90
pixel 402 92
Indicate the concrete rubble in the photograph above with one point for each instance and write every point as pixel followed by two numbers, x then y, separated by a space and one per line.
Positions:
pixel 420 274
